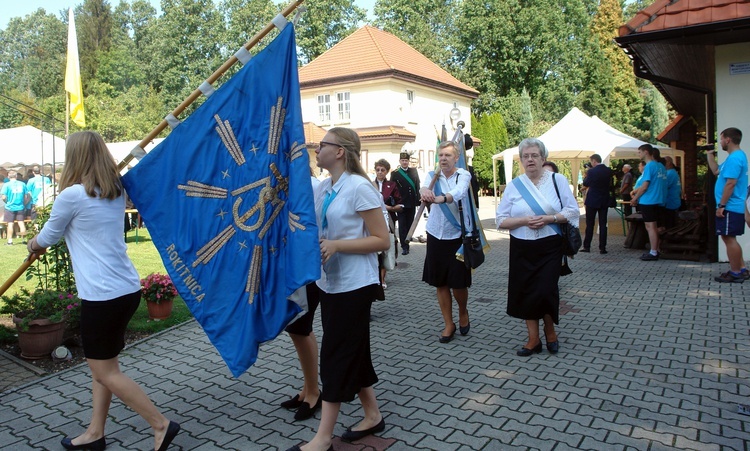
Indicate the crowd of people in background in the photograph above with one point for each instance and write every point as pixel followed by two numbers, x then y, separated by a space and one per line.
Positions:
pixel 20 197
pixel 357 217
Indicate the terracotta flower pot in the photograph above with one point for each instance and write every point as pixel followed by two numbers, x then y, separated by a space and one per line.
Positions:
pixel 159 311
pixel 40 339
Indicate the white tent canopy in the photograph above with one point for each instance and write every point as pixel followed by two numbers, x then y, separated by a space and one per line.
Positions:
pixel 122 149
pixel 27 145
pixel 576 137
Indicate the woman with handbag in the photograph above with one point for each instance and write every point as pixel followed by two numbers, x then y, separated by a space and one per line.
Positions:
pixel 393 204
pixel 532 210
pixel 441 268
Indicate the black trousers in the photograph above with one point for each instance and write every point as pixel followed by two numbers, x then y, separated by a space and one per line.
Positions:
pixel 591 213
pixel 405 220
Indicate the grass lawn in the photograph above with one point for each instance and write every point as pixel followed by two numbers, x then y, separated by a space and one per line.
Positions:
pixel 145 259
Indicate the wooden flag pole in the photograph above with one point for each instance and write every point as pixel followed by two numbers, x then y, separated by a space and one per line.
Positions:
pixel 434 180
pixel 21 269
pixel 215 76
pixel 163 124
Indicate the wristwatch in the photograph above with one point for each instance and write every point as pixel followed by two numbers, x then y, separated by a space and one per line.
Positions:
pixel 721 206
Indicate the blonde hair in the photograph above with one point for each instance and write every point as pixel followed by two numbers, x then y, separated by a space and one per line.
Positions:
pixel 88 162
pixel 446 144
pixel 349 140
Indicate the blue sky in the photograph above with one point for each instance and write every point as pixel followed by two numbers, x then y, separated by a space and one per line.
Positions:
pixel 15 8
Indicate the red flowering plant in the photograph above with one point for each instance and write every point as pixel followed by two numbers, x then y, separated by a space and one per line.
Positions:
pixel 158 288
pixel 43 304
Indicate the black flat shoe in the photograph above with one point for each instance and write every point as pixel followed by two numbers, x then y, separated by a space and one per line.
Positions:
pixel 297 448
pixel 350 436
pixel 448 338
pixel 96 445
pixel 553 347
pixel 172 431
pixel 525 352
pixel 464 329
pixel 305 411
pixel 293 403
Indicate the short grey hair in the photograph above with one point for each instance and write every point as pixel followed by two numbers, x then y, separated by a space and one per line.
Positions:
pixel 532 142
pixel 627 166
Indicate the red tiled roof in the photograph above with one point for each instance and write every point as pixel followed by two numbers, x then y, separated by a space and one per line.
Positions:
pixel 669 14
pixel 371 53
pixel 313 134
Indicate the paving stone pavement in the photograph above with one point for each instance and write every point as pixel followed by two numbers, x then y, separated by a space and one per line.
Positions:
pixel 653 355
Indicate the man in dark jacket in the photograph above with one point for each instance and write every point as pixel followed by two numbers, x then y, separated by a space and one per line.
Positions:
pixel 598 181
pixel 407 180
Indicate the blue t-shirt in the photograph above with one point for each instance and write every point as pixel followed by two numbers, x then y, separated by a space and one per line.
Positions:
pixel 656 175
pixel 35 185
pixel 14 191
pixel 734 167
pixel 674 190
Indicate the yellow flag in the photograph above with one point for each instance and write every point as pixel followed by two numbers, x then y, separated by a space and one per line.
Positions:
pixel 73 75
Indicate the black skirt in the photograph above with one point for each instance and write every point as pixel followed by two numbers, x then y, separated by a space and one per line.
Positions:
pixel 441 268
pixel 345 360
pixel 534 270
pixel 103 325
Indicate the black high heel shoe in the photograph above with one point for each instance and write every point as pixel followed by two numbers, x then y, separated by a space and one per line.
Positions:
pixel 96 445
pixel 448 338
pixel 553 346
pixel 525 352
pixel 464 330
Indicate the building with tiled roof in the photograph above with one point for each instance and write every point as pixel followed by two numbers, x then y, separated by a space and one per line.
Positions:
pixel 395 97
pixel 697 53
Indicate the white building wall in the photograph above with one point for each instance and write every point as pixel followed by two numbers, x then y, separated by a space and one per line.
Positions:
pixel 384 102
pixel 733 109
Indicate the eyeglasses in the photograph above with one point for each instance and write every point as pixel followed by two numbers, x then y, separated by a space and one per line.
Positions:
pixel 532 156
pixel 323 143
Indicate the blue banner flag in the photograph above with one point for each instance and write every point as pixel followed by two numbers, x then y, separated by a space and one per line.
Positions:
pixel 228 203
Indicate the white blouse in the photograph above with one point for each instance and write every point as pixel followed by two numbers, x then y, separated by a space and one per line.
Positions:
pixel 512 205
pixel 347 272
pixel 457 185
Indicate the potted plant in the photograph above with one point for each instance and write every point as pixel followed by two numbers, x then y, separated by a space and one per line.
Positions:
pixel 41 317
pixel 159 292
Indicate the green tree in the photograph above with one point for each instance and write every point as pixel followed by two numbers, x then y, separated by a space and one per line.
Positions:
pixel 94 30
pixel 245 18
pixel 623 104
pixel 186 47
pixel 426 25
pixel 325 23
pixel 490 129
pixel 32 54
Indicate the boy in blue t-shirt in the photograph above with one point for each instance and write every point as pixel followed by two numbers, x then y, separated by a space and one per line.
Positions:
pixel 15 196
pixel 730 192
pixel 651 195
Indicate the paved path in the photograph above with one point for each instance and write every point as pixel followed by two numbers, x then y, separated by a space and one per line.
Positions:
pixel 653 355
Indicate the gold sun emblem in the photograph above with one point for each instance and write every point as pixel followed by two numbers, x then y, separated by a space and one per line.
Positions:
pixel 263 193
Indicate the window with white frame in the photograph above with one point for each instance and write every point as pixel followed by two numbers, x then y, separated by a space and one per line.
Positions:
pixel 324 107
pixel 343 106
pixel 409 96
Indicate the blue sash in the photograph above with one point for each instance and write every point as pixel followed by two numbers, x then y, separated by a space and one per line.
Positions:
pixel 446 210
pixel 529 198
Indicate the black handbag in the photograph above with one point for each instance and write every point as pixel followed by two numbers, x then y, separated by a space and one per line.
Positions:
pixel 571 235
pixel 473 252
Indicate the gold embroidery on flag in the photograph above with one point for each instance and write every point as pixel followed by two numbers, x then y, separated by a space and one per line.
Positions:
pixel 197 189
pixel 253 276
pixel 276 126
pixel 210 249
pixel 224 129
